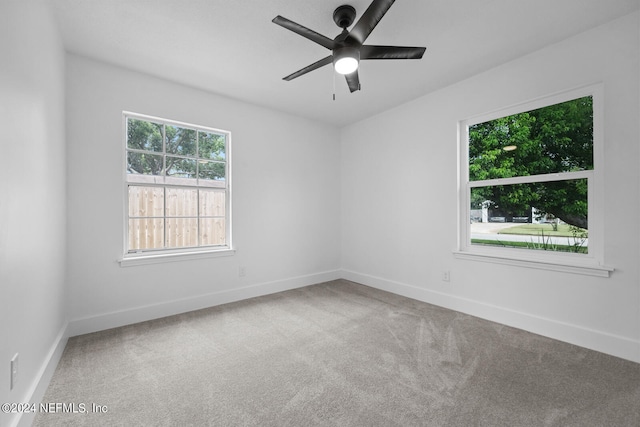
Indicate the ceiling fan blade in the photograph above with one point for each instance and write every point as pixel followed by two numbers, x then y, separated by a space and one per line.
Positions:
pixel 304 32
pixel 370 19
pixel 391 52
pixel 353 81
pixel 314 66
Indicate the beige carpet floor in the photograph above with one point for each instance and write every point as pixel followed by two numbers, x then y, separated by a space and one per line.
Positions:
pixel 337 354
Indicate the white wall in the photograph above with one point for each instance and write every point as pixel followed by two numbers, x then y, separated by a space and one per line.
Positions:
pixel 381 204
pixel 286 199
pixel 399 198
pixel 32 197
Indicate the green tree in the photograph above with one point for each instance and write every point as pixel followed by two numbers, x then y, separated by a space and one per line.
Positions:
pixel 143 135
pixel 553 139
pixel 184 147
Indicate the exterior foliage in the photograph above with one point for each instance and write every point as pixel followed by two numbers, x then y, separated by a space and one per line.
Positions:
pixel 189 153
pixel 553 139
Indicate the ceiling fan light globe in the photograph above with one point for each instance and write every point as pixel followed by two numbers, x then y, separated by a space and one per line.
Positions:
pixel 346 65
pixel 346 59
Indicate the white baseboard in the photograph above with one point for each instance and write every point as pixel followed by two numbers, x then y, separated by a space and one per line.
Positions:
pixel 614 345
pixel 140 314
pixel 38 387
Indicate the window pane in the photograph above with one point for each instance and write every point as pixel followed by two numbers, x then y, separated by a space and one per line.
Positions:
pixel 181 141
pixel 553 139
pixel 182 232
pixel 212 231
pixel 146 234
pixel 177 190
pixel 545 215
pixel 146 201
pixel 143 135
pixel 181 168
pixel 212 202
pixel 144 163
pixel 211 170
pixel 182 202
pixel 211 146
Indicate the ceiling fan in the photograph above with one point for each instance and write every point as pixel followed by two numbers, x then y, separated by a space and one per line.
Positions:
pixel 348 48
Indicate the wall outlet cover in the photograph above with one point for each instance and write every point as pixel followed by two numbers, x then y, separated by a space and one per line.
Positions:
pixel 14 371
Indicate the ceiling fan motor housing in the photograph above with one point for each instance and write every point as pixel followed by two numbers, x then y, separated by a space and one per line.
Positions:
pixel 344 16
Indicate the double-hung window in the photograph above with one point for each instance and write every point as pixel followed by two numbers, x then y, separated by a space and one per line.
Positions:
pixel 530 188
pixel 177 188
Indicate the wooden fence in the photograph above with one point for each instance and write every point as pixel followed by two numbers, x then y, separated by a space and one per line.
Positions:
pixel 175 217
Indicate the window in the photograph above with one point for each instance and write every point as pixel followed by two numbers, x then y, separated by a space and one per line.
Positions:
pixel 177 188
pixel 530 185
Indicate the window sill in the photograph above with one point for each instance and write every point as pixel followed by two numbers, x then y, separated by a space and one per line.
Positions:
pixel 135 259
pixel 565 267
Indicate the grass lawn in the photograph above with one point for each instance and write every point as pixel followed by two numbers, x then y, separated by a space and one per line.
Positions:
pixel 560 248
pixel 564 230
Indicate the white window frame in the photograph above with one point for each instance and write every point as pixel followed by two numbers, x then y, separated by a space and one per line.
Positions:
pixel 588 264
pixel 174 254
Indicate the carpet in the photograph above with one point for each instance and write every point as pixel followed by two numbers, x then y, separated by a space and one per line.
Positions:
pixel 335 354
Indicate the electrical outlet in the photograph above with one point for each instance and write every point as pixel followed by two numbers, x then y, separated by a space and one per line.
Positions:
pixel 242 271
pixel 446 276
pixel 14 371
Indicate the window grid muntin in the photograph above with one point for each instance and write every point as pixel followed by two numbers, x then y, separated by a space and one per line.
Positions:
pixel 164 152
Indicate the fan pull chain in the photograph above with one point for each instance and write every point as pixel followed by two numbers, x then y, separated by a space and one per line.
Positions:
pixel 334 85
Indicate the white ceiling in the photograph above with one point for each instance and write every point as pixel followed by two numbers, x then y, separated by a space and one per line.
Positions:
pixel 232 48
